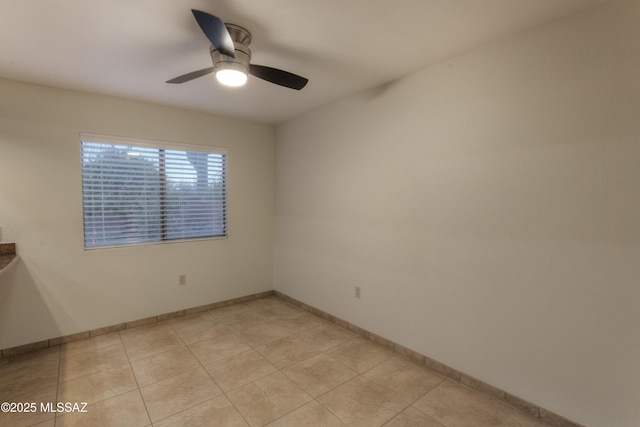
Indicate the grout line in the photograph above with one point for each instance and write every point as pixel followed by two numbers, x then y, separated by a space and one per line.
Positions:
pixel 124 347
pixel 209 374
pixel 280 370
pixel 224 393
pixel 55 417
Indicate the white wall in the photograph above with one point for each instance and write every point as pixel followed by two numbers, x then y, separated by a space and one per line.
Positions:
pixel 57 288
pixel 489 208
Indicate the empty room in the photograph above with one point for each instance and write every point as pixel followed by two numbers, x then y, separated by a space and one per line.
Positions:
pixel 320 213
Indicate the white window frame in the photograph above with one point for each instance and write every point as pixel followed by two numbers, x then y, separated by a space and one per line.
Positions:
pixel 86 137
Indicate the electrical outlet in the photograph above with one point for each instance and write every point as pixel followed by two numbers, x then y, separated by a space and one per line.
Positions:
pixel 182 279
pixel 357 291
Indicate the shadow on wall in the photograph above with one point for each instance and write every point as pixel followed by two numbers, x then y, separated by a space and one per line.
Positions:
pixel 25 313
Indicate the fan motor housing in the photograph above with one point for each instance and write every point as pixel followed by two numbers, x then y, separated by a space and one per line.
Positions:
pixel 241 38
pixel 239 34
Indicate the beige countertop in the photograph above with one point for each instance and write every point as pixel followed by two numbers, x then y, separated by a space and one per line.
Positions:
pixel 7 254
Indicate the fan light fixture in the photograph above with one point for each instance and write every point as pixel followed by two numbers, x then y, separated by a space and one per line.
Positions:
pixel 233 78
pixel 231 56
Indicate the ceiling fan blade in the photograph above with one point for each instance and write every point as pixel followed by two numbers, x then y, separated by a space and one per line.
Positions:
pixel 279 77
pixel 216 32
pixel 192 75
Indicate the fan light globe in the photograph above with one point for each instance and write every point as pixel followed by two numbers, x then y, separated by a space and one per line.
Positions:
pixel 232 78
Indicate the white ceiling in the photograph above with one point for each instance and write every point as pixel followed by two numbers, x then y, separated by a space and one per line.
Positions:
pixel 129 48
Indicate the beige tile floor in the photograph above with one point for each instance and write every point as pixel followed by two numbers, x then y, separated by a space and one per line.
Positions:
pixel 262 362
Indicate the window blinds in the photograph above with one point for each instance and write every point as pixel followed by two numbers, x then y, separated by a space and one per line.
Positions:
pixel 134 193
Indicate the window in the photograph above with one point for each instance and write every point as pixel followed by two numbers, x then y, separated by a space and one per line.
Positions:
pixel 143 192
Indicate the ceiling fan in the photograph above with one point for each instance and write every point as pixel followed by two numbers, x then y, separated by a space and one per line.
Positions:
pixel 231 56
